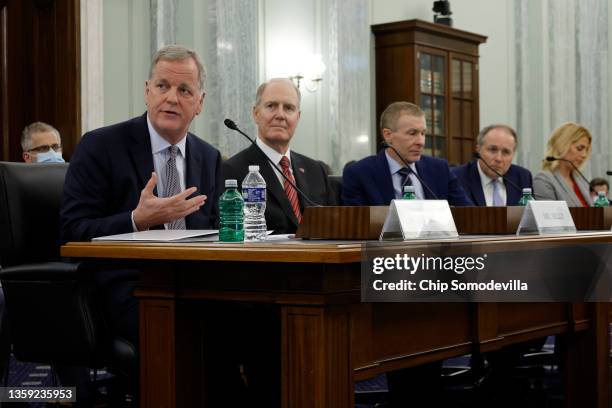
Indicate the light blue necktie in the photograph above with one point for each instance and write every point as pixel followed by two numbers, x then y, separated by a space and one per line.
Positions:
pixel 497 199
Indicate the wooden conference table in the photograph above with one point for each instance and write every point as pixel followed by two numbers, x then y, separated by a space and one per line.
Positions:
pixel 329 338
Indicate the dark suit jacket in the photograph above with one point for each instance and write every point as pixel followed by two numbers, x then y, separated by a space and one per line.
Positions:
pixel 310 177
pixel 369 182
pixel 111 166
pixel 470 180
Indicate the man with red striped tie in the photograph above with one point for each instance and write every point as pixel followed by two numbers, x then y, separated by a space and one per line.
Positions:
pixel 277 113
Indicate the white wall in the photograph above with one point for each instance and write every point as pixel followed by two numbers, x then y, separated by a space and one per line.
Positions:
pixel 290 28
pixel 127 55
pixel 126 58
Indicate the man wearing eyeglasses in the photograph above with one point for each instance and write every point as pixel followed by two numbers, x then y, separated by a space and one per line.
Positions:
pixel 41 143
pixel 496 145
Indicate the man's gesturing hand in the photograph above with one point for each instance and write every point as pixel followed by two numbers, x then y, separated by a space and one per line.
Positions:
pixel 152 210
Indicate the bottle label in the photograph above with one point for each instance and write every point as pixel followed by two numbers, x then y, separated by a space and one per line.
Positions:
pixel 254 195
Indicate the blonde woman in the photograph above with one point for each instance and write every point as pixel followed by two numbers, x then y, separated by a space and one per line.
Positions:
pixel 558 180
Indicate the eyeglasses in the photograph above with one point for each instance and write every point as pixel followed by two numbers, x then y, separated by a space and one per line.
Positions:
pixel 45 148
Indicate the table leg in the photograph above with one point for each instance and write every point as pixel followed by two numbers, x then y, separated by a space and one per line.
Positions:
pixel 316 358
pixel 587 357
pixel 171 373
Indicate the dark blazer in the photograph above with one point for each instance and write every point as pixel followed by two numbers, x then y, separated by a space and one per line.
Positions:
pixel 111 166
pixel 310 177
pixel 470 181
pixel 368 181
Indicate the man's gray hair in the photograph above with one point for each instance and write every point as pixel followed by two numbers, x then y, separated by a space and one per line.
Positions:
pixel 176 52
pixel 36 127
pixel 487 129
pixel 262 88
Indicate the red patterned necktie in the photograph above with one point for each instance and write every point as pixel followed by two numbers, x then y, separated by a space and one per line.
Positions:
pixel 289 190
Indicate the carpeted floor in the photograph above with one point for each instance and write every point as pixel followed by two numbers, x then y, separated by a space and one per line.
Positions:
pixel 369 393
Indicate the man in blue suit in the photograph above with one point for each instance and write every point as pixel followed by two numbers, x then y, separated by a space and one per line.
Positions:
pixel 148 172
pixel 496 145
pixel 376 180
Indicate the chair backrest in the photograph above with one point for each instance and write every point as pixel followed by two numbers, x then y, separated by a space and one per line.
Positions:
pixel 336 184
pixel 64 325
pixel 30 198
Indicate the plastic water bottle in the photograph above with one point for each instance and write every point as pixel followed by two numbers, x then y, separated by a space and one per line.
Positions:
pixel 602 200
pixel 254 194
pixel 527 196
pixel 231 204
pixel 409 193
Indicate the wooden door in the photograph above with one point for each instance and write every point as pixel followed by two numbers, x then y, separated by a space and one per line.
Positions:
pixel 39 71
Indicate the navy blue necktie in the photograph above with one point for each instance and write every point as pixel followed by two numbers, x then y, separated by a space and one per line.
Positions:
pixel 406 181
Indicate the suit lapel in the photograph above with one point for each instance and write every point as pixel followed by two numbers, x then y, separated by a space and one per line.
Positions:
pixel 476 185
pixel 427 177
pixel 140 151
pixel 383 177
pixel 584 189
pixel 193 167
pixel 513 196
pixel 569 193
pixel 301 177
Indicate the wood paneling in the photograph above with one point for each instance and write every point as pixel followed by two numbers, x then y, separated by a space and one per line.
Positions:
pixel 40 71
pixel 329 338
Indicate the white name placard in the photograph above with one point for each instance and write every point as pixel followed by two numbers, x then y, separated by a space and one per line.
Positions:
pixel 546 217
pixel 418 219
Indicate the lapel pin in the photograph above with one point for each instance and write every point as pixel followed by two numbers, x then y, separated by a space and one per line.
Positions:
pixel 301 169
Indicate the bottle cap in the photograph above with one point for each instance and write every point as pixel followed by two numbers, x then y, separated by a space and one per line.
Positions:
pixel 527 190
pixel 409 189
pixel 253 168
pixel 231 183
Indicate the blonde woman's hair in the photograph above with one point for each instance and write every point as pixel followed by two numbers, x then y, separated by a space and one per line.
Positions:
pixel 561 140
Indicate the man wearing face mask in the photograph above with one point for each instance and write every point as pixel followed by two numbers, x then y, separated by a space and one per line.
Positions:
pixel 41 143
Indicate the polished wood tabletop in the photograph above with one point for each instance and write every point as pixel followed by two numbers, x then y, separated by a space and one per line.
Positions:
pixel 329 337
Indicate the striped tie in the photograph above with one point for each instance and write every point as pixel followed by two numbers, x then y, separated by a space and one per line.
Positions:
pixel 404 172
pixel 289 190
pixel 173 186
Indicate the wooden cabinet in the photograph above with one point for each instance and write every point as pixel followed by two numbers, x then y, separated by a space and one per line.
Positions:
pixel 436 67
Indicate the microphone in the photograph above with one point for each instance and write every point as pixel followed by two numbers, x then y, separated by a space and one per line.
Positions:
pixel 609 173
pixel 232 125
pixel 477 155
pixel 384 143
pixel 551 159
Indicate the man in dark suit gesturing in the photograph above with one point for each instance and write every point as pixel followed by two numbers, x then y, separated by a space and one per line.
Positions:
pixel 276 113
pixel 147 172
pixel 496 145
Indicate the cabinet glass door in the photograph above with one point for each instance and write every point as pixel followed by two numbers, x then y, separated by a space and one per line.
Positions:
pixel 433 101
pixel 464 108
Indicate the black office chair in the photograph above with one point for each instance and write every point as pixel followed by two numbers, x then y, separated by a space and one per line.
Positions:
pixel 336 185
pixel 50 308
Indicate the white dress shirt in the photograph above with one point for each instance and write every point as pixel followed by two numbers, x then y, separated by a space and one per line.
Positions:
pixel 487 187
pixel 276 158
pixel 159 148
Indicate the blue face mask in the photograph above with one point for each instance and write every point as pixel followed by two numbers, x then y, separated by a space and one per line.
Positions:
pixel 50 157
